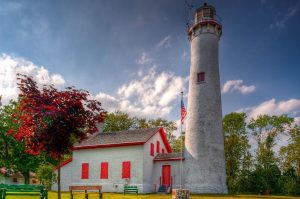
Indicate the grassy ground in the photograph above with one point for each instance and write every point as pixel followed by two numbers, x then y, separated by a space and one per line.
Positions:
pixel 65 195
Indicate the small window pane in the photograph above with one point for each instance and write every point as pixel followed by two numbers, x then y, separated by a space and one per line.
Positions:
pixel 201 77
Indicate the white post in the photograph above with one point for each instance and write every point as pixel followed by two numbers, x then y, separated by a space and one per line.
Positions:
pixel 181 165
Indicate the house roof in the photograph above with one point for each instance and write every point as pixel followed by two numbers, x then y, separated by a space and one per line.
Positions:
pixel 122 138
pixel 168 157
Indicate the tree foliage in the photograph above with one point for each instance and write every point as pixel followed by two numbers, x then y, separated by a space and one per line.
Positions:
pixel 12 152
pixel 260 168
pixel 236 147
pixel 118 121
pixel 45 174
pixel 52 120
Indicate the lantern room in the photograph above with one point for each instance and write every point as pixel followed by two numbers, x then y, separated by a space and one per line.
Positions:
pixel 205 12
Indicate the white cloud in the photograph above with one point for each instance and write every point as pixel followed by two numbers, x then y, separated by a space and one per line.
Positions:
pixel 150 95
pixel 280 23
pixel 110 103
pixel 164 43
pixel 10 66
pixel 237 85
pixel 144 59
pixel 271 107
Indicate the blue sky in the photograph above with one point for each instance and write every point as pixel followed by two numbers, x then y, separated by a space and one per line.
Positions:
pixel 134 55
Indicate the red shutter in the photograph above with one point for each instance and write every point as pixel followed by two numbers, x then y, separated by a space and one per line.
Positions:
pixel 152 149
pixel 85 171
pixel 157 146
pixel 104 170
pixel 163 151
pixel 126 169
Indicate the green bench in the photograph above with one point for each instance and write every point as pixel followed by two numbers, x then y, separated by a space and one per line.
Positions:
pixel 130 189
pixel 23 189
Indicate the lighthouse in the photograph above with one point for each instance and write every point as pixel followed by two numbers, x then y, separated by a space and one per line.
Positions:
pixel 204 169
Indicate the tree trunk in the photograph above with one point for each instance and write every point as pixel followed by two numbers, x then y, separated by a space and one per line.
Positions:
pixel 26 175
pixel 58 180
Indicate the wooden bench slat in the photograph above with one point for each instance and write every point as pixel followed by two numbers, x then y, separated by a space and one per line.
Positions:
pixel 85 187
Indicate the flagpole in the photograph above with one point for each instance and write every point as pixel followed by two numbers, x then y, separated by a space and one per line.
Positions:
pixel 181 166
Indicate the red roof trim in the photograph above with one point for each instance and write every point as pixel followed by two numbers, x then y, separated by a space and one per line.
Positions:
pixel 165 140
pixel 108 145
pixel 169 159
pixel 64 163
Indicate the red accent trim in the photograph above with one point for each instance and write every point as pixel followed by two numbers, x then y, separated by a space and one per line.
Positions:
pixel 170 159
pixel 152 149
pixel 104 170
pixel 126 169
pixel 107 145
pixel 165 140
pixel 85 171
pixel 163 151
pixel 157 146
pixel 63 163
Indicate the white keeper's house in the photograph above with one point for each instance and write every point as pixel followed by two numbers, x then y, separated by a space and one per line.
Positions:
pixel 142 158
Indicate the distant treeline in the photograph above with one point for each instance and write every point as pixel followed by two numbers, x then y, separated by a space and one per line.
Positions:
pixel 262 154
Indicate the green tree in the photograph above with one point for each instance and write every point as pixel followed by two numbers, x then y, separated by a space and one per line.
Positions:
pixel 290 154
pixel 176 146
pixel 118 121
pixel 290 163
pixel 266 128
pixel 236 146
pixel 45 174
pixel 13 154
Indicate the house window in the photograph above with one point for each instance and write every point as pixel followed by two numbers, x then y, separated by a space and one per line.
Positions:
pixel 157 147
pixel 201 77
pixel 163 151
pixel 85 171
pixel 126 169
pixel 15 179
pixel 152 149
pixel 104 170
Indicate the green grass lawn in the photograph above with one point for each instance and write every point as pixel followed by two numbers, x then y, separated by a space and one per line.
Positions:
pixel 65 195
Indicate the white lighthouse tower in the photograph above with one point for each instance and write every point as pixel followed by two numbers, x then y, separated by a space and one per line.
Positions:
pixel 204 142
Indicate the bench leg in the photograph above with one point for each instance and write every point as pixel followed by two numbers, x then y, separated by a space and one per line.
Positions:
pixel 100 194
pixel 86 194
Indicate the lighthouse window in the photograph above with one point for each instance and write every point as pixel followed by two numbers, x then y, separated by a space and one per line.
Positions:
pixel 201 77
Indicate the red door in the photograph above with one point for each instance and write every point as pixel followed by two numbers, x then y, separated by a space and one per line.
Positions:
pixel 166 175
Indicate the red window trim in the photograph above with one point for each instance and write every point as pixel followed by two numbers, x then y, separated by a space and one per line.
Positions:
pixel 104 170
pixel 157 146
pixel 126 167
pixel 152 149
pixel 85 171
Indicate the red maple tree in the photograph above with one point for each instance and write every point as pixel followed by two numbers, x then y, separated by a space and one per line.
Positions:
pixel 53 120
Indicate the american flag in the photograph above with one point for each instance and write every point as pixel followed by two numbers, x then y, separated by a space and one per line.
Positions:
pixel 183 112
